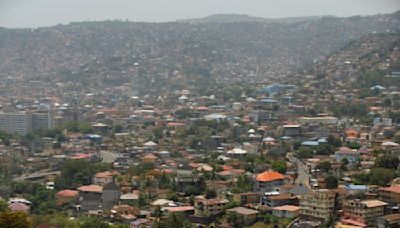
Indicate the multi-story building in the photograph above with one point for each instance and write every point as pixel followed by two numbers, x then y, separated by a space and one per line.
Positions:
pixel 362 211
pixel 390 195
pixel 318 205
pixel 269 181
pixel 15 123
pixel 204 207
pixel 22 123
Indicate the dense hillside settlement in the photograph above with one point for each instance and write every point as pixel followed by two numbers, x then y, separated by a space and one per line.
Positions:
pixel 202 123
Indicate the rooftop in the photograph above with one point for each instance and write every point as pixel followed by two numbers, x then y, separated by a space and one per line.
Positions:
pixel 243 211
pixel 269 176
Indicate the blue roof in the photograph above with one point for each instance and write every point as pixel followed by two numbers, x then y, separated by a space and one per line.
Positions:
pixel 356 187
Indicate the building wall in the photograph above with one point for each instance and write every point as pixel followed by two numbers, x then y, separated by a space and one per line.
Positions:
pixel 360 212
pixel 319 205
pixel 392 198
pixel 268 186
pixel 22 123
pixel 90 201
pixel 110 198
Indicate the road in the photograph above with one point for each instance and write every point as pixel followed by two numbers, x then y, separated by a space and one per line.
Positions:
pixel 303 176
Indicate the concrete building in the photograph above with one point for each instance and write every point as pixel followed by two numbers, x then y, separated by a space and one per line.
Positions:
pixel 22 123
pixel 286 211
pixel 388 221
pixel 110 195
pixel 328 120
pixel 319 205
pixel 390 195
pixel 362 211
pixel 269 181
pixel 249 216
pixel 204 207
pixel 15 123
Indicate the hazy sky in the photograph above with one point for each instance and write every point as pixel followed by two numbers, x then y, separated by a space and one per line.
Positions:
pixel 34 13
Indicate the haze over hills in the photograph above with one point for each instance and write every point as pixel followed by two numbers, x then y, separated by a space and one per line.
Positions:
pixel 153 55
pixel 229 18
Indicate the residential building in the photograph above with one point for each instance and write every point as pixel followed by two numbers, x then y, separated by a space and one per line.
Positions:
pixel 362 211
pixel 269 181
pixel 204 207
pixel 388 221
pixel 327 120
pixel 247 198
pixel 319 205
pixel 286 211
pixel 346 153
pixel 90 197
pixel 390 195
pixel 275 200
pixel 249 216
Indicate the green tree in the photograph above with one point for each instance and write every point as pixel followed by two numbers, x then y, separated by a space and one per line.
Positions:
pixel 93 222
pixel 381 176
pixel 3 205
pixel 331 182
pixel 279 166
pixel 387 161
pixel 325 166
pixel 10 219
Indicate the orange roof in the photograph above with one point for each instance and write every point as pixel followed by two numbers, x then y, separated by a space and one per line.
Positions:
pixel 269 176
pixel 395 189
pixel 176 124
pixel 67 193
pixel 106 174
pixel 91 188
pixel 149 156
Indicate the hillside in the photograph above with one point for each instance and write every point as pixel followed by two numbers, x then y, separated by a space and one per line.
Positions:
pixel 362 63
pixel 175 55
pixel 231 18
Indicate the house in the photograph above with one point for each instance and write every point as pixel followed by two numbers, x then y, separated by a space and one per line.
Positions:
pixel 129 198
pixel 247 198
pixel 346 153
pixel 388 221
pixel 102 178
pixel 66 196
pixel 318 205
pixel 19 207
pixel 90 197
pixel 355 189
pixel 390 195
pixel 275 200
pixel 249 216
pixel 269 181
pixel 186 179
pixel 286 211
pixel 291 130
pixel 187 210
pixel 357 212
pixel 149 158
pixel 204 207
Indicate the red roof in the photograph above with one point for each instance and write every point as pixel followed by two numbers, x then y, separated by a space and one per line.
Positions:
pixel 18 207
pixel 395 189
pixel 269 176
pixel 67 193
pixel 91 188
pixel 179 209
pixel 175 124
